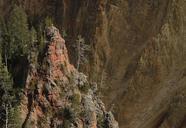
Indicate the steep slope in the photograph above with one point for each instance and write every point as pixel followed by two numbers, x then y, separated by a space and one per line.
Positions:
pixel 154 76
pixel 57 95
pixel 138 54
pixel 139 58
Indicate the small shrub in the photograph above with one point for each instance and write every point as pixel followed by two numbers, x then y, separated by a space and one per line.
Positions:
pixel 48 21
pixel 64 33
pixel 76 98
pixel 66 124
pixel 33 84
pixel 84 88
pixel 42 122
pixel 82 114
pixel 67 113
pixel 81 81
pixel 100 121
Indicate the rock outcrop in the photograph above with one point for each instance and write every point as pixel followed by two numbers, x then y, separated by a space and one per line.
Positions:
pixel 57 95
pixel 138 53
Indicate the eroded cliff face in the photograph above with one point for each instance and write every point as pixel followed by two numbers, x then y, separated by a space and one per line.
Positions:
pixel 139 48
pixel 152 74
pixel 138 58
pixel 138 54
pixel 57 95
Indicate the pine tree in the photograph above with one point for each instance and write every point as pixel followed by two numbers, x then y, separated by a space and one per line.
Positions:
pixel 48 21
pixel 19 33
pixel 6 94
pixel 6 83
pixel 4 40
pixel 33 36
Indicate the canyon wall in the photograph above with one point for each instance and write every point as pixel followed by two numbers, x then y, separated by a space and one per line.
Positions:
pixel 138 54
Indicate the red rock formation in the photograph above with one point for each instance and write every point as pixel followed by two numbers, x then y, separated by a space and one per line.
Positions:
pixel 56 94
pixel 39 91
pixel 58 56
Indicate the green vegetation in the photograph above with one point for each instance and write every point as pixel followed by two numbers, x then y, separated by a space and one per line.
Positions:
pixel 32 85
pixel 14 118
pixel 6 83
pixel 7 98
pixel 41 39
pixel 33 35
pixel 64 33
pixel 16 34
pixel 100 121
pixel 85 89
pixel 16 42
pixel 76 98
pixel 82 114
pixel 48 21
pixel 30 123
pixel 41 123
pixel 66 113
pixel 19 38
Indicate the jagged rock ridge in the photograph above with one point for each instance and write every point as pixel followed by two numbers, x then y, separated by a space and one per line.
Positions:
pixel 57 95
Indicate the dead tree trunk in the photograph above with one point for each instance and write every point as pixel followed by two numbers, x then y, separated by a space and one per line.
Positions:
pixel 7 116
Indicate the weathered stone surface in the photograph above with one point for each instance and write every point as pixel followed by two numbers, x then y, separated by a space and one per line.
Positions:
pixel 61 97
pixel 138 53
pixel 110 121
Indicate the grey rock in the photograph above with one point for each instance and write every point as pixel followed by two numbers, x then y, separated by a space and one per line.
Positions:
pixel 110 121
